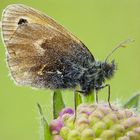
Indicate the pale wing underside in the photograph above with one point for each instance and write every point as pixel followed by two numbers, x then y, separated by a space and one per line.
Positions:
pixel 13 13
pixel 34 49
pixel 25 52
pixel 38 48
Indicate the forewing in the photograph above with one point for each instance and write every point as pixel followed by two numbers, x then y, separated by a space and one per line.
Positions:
pixel 15 12
pixel 38 47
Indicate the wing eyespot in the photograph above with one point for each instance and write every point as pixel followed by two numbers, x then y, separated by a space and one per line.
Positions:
pixel 22 21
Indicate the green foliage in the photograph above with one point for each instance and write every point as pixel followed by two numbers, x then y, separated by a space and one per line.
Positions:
pixel 58 103
pixel 78 99
pixel 133 102
pixel 44 124
pixel 89 98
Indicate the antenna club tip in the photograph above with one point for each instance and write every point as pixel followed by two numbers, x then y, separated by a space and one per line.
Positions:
pixel 125 43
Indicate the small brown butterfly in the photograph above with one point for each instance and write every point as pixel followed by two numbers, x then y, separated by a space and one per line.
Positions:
pixel 41 53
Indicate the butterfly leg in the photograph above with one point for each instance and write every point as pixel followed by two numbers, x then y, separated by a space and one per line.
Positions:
pixel 107 85
pixel 75 105
pixel 96 98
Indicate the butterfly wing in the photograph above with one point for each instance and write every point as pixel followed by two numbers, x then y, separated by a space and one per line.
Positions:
pixel 13 14
pixel 40 52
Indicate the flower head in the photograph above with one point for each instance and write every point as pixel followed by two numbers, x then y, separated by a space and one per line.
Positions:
pixel 96 122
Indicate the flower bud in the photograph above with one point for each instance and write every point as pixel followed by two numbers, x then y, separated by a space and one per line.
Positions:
pixel 118 129
pixel 98 128
pixel 98 139
pixel 66 111
pixel 74 135
pixel 64 132
pixel 108 135
pixel 70 122
pixel 87 134
pixel 124 138
pixel 56 126
pixel 132 135
pixel 57 137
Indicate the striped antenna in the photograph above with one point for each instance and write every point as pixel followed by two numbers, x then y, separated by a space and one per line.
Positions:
pixel 121 45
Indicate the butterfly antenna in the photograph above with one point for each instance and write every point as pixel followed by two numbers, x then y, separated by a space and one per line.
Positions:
pixel 121 45
pixel 0 25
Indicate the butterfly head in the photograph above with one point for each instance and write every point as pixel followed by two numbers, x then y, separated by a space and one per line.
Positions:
pixel 108 69
pixel 101 72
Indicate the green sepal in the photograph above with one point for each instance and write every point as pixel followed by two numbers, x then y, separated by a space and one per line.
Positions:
pixel 78 99
pixel 44 124
pixel 133 102
pixel 58 103
pixel 88 98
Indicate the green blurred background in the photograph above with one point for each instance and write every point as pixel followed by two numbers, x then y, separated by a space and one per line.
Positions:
pixel 101 25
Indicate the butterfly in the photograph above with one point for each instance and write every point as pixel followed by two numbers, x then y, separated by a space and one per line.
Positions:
pixel 41 53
